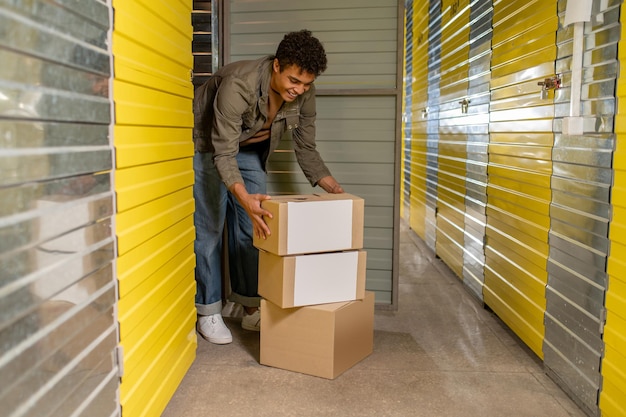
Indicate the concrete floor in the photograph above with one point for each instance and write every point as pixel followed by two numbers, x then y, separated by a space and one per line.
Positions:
pixel 439 354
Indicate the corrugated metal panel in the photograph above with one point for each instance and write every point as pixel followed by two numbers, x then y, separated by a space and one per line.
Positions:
pixel 613 366
pixel 481 14
pixel 153 96
pixel 360 39
pixel 613 370
pixel 407 120
pixel 547 216
pixel 524 51
pixel 432 124
pixel 454 118
pixel 579 213
pixel 57 293
pixel 419 131
pixel 431 114
pixel 425 120
pixel 356 134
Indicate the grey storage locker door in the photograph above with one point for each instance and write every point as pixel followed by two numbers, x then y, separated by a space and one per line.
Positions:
pixel 358 105
pixel 580 209
pixel 58 330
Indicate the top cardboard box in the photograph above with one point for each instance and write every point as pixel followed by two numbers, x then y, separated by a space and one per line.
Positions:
pixel 313 223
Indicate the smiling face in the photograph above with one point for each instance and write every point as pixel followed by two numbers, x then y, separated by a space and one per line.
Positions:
pixel 291 82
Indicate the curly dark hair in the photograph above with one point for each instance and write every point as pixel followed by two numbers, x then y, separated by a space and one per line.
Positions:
pixel 304 50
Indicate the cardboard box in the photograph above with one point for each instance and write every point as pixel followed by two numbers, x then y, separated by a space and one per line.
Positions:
pixel 313 223
pixel 320 278
pixel 323 340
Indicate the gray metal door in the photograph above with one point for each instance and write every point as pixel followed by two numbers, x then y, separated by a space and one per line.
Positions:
pixel 580 207
pixel 58 332
pixel 481 14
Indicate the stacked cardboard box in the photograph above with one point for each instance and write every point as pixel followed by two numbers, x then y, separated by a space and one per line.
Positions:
pixel 316 317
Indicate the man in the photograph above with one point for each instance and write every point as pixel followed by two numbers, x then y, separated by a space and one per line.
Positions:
pixel 241 114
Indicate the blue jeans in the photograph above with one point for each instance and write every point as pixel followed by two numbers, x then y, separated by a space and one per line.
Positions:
pixel 215 206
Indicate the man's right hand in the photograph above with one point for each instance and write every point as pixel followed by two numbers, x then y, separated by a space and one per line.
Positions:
pixel 330 185
pixel 252 204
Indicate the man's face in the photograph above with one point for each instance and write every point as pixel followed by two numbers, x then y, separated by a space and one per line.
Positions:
pixel 290 83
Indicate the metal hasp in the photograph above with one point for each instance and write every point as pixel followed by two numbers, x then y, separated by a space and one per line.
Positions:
pixel 464 105
pixel 552 83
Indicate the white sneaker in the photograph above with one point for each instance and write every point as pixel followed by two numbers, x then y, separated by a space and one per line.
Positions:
pixel 213 329
pixel 252 321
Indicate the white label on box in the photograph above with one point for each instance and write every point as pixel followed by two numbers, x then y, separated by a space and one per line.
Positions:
pixel 319 226
pixel 325 278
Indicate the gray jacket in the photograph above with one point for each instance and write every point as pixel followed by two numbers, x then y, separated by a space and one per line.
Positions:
pixel 232 106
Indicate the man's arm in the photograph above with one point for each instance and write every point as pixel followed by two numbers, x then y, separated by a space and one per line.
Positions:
pixel 252 204
pixel 230 104
pixel 308 157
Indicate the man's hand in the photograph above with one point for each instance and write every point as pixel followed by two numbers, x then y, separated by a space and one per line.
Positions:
pixel 252 204
pixel 330 185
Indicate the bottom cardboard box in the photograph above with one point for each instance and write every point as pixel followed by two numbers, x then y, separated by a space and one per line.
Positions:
pixel 323 340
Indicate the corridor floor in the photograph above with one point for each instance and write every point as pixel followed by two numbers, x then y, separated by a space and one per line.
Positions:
pixel 441 354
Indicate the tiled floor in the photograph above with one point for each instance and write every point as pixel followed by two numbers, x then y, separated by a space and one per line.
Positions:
pixel 439 354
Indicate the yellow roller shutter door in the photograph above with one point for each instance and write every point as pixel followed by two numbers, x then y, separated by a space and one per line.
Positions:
pixel 418 159
pixel 153 95
pixel 518 194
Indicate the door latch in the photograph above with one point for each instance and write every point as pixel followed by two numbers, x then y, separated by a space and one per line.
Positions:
pixel 464 105
pixel 551 83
